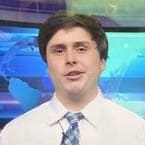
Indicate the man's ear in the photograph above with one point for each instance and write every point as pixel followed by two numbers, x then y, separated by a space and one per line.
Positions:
pixel 103 63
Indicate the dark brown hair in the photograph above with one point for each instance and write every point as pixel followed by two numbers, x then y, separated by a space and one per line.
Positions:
pixel 63 20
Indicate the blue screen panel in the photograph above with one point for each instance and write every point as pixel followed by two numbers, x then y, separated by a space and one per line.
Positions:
pixel 123 80
pixel 25 82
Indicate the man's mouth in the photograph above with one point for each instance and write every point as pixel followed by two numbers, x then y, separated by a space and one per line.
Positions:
pixel 73 75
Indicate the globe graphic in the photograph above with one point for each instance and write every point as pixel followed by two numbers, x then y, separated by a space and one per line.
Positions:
pixel 25 73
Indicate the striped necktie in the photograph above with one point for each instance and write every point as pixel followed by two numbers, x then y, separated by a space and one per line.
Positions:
pixel 72 135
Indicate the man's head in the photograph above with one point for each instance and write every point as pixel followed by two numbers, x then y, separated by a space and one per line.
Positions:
pixel 75 48
pixel 65 21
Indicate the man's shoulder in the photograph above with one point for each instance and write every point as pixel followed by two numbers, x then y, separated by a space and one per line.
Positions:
pixel 122 122
pixel 122 114
pixel 39 115
pixel 29 126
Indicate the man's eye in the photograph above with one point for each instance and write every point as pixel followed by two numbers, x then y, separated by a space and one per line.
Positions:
pixel 58 50
pixel 81 49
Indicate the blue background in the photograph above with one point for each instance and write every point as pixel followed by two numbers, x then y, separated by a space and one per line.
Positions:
pixel 25 82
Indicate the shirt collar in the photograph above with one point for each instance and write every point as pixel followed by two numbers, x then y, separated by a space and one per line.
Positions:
pixel 91 112
pixel 58 109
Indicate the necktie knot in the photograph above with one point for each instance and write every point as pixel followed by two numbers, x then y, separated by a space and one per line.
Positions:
pixel 72 135
pixel 74 117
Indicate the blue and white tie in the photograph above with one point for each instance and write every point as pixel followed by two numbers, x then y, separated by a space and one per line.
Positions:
pixel 72 135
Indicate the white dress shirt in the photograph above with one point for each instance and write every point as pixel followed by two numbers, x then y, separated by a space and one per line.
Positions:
pixel 105 123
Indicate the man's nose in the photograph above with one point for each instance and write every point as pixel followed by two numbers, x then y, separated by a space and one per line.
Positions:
pixel 70 57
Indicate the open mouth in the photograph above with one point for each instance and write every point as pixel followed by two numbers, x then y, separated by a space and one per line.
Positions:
pixel 73 75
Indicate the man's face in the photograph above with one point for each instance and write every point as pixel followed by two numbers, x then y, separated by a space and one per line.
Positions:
pixel 73 61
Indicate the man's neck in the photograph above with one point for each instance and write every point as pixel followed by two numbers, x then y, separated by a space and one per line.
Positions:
pixel 76 102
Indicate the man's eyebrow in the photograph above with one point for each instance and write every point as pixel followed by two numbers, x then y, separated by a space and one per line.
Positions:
pixel 87 43
pixel 57 45
pixel 62 45
pixel 82 42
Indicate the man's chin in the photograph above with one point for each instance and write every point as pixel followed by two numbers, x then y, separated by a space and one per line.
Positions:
pixel 75 91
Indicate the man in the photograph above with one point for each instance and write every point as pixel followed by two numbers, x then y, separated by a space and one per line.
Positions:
pixel 75 48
